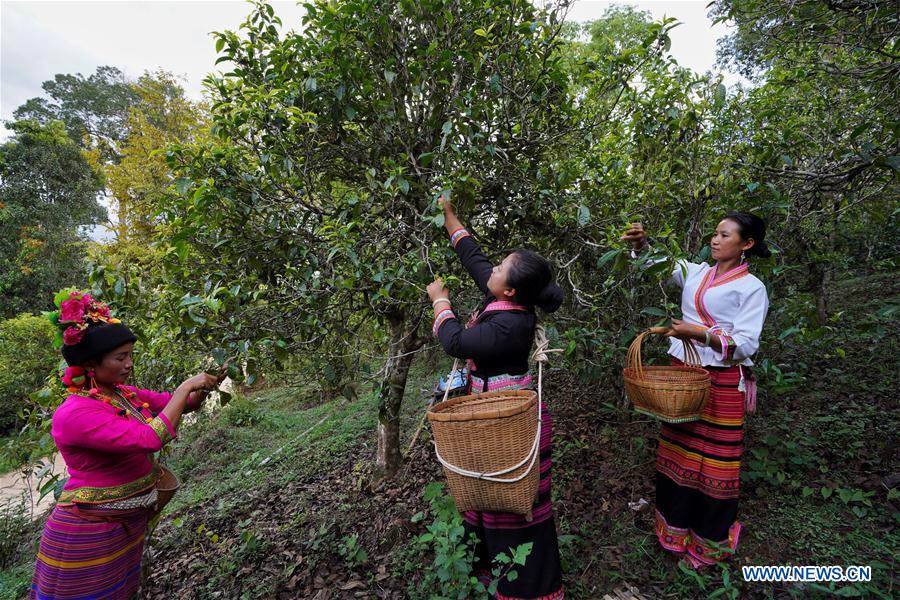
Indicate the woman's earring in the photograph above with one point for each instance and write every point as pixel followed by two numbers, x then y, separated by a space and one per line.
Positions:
pixel 743 257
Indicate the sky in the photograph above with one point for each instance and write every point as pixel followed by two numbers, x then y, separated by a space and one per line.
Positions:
pixel 39 39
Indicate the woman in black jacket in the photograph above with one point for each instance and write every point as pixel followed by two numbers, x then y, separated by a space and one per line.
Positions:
pixel 496 342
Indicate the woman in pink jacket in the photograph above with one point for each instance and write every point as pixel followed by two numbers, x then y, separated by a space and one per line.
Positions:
pixel 107 432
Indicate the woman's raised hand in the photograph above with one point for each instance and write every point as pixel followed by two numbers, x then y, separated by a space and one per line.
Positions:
pixel 437 290
pixel 200 381
pixel 636 236
pixel 444 204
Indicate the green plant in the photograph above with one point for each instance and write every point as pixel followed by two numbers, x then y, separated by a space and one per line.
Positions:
pixel 351 551
pixel 15 523
pixel 454 552
pixel 26 356
pixel 242 412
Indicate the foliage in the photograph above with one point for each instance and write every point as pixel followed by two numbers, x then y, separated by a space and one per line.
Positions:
pixel 14 524
pixel 315 203
pixel 94 109
pixel 26 356
pixel 47 197
pixel 161 116
pixel 454 552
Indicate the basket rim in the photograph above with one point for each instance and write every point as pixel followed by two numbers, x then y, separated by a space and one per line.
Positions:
pixel 701 374
pixel 166 477
pixel 436 412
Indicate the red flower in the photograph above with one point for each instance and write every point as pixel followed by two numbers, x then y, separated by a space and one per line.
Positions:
pixel 72 335
pixel 71 311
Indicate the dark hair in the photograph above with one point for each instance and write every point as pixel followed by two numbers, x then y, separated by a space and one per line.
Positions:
pixel 531 277
pixel 98 340
pixel 752 227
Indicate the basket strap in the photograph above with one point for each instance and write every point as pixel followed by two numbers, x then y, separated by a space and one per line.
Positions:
pixel 540 356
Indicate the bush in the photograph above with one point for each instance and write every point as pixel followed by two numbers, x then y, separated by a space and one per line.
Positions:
pixel 27 355
pixel 14 527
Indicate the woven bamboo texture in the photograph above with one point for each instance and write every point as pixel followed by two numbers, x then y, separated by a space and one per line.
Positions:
pixel 489 433
pixel 673 393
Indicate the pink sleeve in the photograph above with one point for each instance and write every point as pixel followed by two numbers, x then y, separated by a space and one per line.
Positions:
pixel 94 425
pixel 156 400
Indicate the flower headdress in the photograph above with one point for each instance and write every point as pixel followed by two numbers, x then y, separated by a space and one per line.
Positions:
pixel 77 311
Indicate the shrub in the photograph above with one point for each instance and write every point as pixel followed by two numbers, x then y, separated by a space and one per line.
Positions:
pixel 27 355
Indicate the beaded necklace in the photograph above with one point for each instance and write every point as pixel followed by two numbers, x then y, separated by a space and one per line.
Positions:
pixel 126 405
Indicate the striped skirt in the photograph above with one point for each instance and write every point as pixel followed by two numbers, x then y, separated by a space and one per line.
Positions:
pixel 541 575
pixel 90 553
pixel 698 475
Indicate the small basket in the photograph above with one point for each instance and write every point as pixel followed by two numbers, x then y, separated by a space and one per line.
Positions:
pixel 166 486
pixel 674 393
pixel 488 445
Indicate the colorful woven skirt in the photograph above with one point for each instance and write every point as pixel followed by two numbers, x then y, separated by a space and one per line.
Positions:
pixel 90 553
pixel 698 468
pixel 541 576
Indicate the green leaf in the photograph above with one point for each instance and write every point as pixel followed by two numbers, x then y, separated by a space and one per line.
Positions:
pixel 584 215
pixel 481 33
pixel 720 94
pixel 389 76
pixel 608 256
pixel 220 43
pixel 183 185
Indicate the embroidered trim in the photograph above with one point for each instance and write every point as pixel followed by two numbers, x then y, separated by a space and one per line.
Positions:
pixel 710 281
pixel 99 495
pixel 498 305
pixel 440 319
pixel 700 549
pixel 739 271
pixel 557 595
pixel 162 430
pixel 457 235
pixel 722 489
pixel 501 382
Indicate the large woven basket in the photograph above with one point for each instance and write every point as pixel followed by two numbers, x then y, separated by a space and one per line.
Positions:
pixel 673 393
pixel 488 446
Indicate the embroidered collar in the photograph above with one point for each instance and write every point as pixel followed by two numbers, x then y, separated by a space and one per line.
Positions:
pixel 710 281
pixel 503 305
pixel 739 271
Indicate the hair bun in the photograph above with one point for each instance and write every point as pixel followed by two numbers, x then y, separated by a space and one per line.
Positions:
pixel 550 298
pixel 761 249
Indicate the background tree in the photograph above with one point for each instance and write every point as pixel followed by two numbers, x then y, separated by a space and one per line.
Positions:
pixel 94 109
pixel 48 196
pixel 821 129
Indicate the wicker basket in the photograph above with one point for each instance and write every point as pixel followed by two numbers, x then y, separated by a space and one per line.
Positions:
pixel 166 486
pixel 488 446
pixel 674 394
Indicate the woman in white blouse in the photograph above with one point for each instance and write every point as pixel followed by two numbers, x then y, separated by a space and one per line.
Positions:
pixel 698 463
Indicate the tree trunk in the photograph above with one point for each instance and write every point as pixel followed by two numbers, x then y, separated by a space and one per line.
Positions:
pixel 820 279
pixel 403 342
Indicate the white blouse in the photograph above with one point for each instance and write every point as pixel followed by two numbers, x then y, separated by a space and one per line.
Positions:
pixel 732 306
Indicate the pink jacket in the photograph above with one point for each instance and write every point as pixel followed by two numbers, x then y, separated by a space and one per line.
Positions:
pixel 108 454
